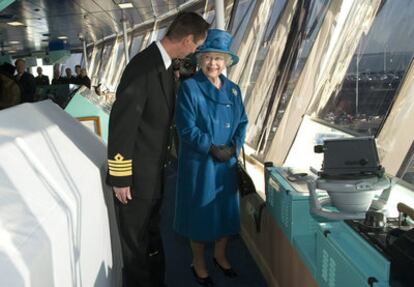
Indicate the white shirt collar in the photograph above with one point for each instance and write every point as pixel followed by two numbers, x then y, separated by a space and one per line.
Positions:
pixel 165 57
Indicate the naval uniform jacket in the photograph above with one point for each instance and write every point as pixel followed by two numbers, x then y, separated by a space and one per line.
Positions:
pixel 140 125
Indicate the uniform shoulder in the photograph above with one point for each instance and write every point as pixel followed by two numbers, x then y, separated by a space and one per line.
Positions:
pixel 144 60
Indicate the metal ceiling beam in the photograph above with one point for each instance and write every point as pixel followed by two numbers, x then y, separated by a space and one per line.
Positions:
pixel 160 18
pixel 125 34
pixel 220 18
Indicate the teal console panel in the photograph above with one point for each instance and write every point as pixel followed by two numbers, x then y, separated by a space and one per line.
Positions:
pixel 334 253
pixel 87 104
pixel 345 259
pixel 288 206
pixel 288 202
pixel 5 3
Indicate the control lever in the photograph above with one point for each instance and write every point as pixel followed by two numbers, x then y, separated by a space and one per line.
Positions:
pixel 405 210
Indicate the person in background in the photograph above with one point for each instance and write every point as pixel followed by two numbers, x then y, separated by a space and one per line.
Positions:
pixel 211 123
pixel 7 69
pixel 57 77
pixel 41 80
pixel 9 89
pixel 185 68
pixel 84 79
pixel 78 69
pixel 69 79
pixel 139 143
pixel 26 82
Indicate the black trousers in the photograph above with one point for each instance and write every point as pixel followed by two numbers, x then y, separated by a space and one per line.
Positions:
pixel 142 250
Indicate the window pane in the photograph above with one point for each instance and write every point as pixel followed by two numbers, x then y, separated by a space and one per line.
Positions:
pixel 362 101
pixel 105 59
pixel 97 60
pixel 71 62
pixel 262 52
pixel 407 170
pixel 310 133
pixel 135 47
pixel 278 6
pixel 241 19
pixel 117 66
pixel 158 34
pixel 211 17
pixel 293 60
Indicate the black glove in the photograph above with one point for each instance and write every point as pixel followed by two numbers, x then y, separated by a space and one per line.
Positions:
pixel 222 153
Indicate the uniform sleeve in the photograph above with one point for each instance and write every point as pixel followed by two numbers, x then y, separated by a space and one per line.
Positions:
pixel 186 121
pixel 124 121
pixel 240 134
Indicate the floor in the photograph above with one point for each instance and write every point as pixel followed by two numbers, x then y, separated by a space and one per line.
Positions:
pixel 178 253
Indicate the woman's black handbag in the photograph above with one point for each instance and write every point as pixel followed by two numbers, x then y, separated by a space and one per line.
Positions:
pixel 245 182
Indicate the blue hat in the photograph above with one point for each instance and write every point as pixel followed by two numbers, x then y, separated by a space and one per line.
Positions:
pixel 219 41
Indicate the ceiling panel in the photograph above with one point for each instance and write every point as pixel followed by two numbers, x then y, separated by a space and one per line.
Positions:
pixel 95 19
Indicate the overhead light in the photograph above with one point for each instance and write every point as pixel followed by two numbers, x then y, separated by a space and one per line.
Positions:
pixel 14 42
pixel 12 51
pixel 125 5
pixel 62 37
pixel 15 23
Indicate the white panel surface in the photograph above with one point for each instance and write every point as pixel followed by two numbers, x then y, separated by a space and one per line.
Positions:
pixel 57 224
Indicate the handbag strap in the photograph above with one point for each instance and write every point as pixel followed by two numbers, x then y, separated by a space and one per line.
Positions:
pixel 244 157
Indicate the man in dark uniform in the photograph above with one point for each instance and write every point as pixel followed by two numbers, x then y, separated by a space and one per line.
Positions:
pixel 41 80
pixel 69 79
pixel 77 78
pixel 84 79
pixel 140 131
pixel 26 82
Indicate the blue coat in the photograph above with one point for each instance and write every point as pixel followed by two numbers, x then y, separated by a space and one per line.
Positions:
pixel 207 203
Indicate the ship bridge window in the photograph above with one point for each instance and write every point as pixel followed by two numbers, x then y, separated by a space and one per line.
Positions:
pixel 95 62
pixel 249 77
pixel 244 11
pixel 117 65
pixel 105 61
pixel 406 171
pixel 135 46
pixel 71 62
pixel 305 26
pixel 360 103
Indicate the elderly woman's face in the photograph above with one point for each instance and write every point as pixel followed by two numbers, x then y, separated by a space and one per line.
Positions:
pixel 212 64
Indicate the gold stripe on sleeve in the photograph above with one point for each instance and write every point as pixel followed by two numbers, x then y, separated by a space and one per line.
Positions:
pixel 119 164
pixel 120 167
pixel 120 173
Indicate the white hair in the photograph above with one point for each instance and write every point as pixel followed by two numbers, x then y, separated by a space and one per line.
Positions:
pixel 227 58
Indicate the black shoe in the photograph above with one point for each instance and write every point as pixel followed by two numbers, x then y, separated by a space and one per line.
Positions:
pixel 202 281
pixel 227 272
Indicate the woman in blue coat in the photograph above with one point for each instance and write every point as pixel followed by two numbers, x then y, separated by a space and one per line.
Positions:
pixel 211 124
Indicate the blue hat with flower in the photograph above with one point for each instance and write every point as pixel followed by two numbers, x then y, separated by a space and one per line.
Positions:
pixel 219 41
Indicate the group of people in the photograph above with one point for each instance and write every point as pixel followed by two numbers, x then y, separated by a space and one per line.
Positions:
pixel 81 77
pixel 17 85
pixel 208 115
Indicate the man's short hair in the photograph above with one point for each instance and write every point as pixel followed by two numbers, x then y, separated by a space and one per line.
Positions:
pixel 19 60
pixel 188 23
pixel 78 66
